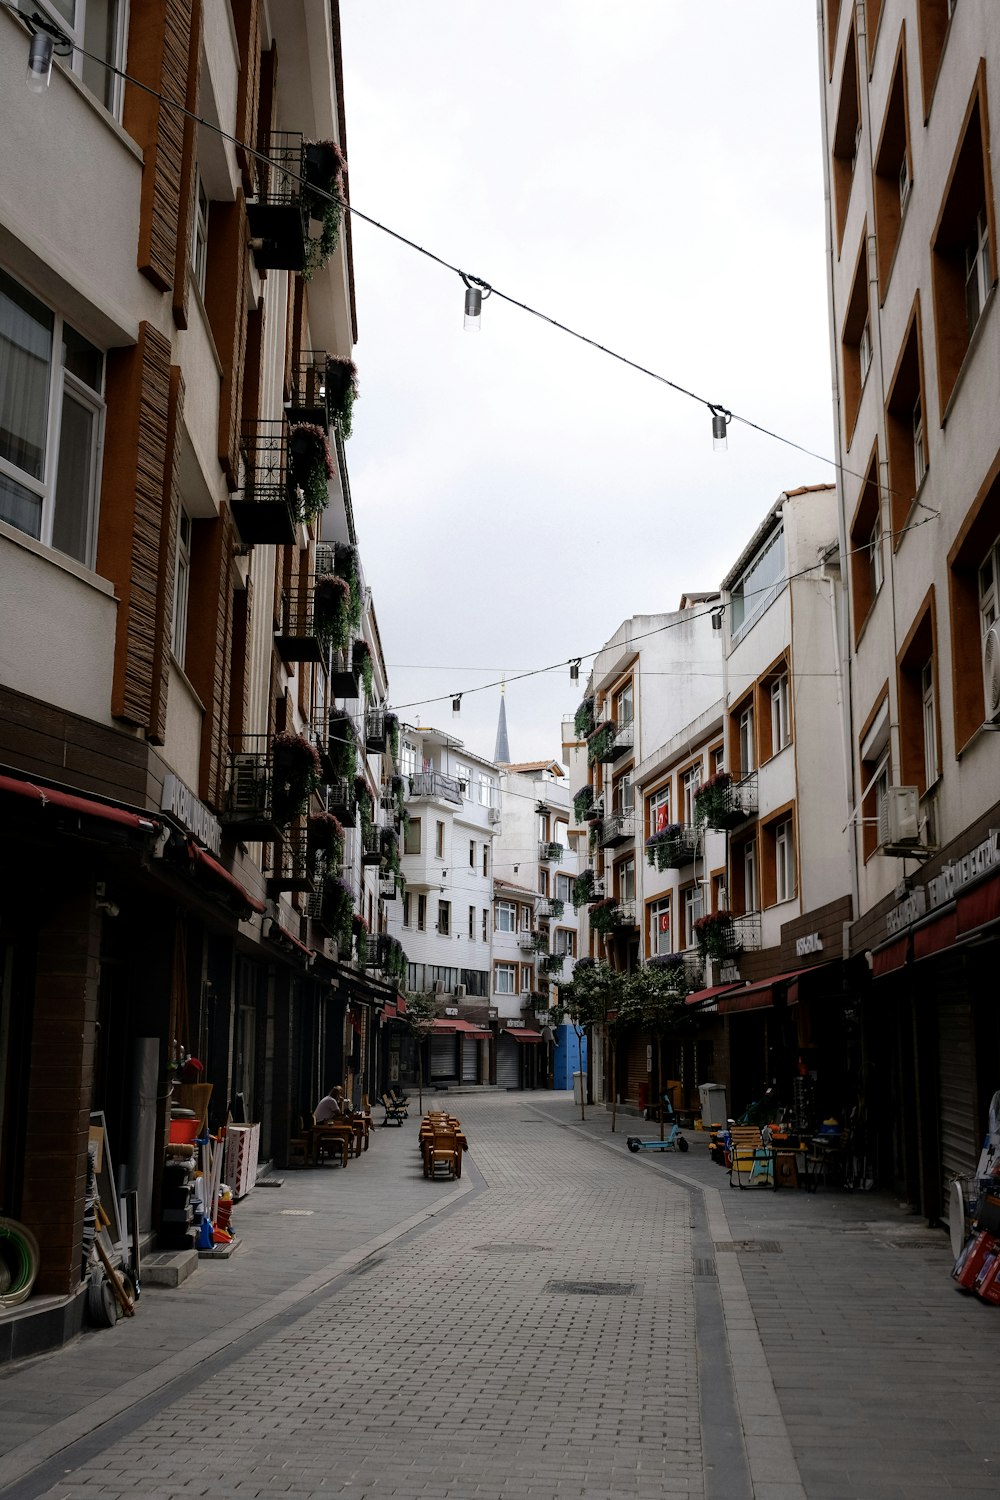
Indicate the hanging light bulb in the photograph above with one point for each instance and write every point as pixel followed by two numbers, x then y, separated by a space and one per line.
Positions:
pixel 574 669
pixel 39 72
pixel 721 419
pixel 456 705
pixel 475 291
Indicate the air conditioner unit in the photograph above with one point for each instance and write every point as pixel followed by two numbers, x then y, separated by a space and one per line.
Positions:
pixel 494 815
pixel 439 987
pixel 460 991
pixel 899 820
pixel 991 672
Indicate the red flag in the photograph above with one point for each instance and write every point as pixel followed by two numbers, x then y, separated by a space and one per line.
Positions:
pixel 661 817
pixel 665 922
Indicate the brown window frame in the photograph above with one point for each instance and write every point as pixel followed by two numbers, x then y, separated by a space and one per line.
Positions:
pixel 843 146
pixel 867 511
pixel 933 30
pixel 867 768
pixel 977 535
pixel 906 386
pixel 857 317
pixel 919 647
pixel 781 667
pixel 892 150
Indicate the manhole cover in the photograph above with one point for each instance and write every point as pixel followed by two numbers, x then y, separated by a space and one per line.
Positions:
pixel 592 1288
pixel 512 1249
pixel 296 1213
pixel 748 1247
pixel 704 1266
pixel 932 1246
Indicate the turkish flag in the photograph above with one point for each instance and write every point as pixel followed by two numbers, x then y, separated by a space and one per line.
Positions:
pixel 665 922
pixel 661 817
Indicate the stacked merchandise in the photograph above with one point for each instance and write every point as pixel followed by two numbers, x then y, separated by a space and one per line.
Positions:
pixel 177 1209
pixel 977 1268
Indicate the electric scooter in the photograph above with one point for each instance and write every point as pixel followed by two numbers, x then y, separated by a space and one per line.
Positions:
pixel 673 1140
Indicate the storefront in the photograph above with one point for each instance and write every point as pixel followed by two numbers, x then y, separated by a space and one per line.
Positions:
pixel 518 1048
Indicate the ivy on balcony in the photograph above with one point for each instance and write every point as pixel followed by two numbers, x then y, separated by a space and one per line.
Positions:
pixel 343 745
pixel 583 721
pixel 605 915
pixel 715 936
pixel 582 803
pixel 332 611
pixel 296 775
pixel 584 888
pixel 600 743
pixel 712 800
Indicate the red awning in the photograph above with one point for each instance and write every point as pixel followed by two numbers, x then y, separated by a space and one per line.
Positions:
pixel 86 806
pixel 759 996
pixel 401 1005
pixel 446 1024
pixel 934 936
pixel 522 1034
pixel 389 1010
pixel 284 936
pixel 702 997
pixel 889 958
pixel 979 906
pixel 211 865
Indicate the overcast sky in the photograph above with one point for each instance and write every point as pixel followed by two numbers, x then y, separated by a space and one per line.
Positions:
pixel 649 173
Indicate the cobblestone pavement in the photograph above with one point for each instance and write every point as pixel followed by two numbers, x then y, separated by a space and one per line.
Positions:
pixel 568 1320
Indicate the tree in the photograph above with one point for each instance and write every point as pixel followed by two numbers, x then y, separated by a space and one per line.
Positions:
pixel 653 999
pixel 592 1000
pixel 420 1013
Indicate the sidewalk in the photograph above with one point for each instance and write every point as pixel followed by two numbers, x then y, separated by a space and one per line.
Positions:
pixel 379 1335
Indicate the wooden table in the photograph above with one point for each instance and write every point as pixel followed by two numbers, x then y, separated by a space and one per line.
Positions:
pixel 332 1130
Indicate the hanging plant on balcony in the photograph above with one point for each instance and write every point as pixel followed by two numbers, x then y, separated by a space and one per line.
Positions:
pixel 391 958
pixel 392 735
pixel 583 721
pixel 337 908
pixel 583 888
pixel 397 790
pixel 605 915
pixel 359 927
pixel 343 745
pixel 341 391
pixel 331 615
pixel 660 846
pixel 363 663
pixel 583 802
pixel 600 742
pixel 345 565
pixel 711 799
pixel 322 196
pixel 595 835
pixel 366 809
pixel 390 850
pixel 310 467
pixel 715 936
pixel 325 835
pixel 296 775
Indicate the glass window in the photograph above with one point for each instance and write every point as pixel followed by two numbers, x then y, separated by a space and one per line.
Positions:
pixel 747 759
pixel 622 797
pixel 564 888
pixel 626 880
pixel 487 790
pixel 780 729
pixel 444 918
pixel 659 928
pixel 411 837
pixel 659 809
pixel 199 237
pixel 875 556
pixel 565 941
pixel 750 893
pixel 505 979
pixel 978 274
pixel 784 861
pixel 693 908
pixel 472 854
pixel 931 768
pixel 439 840
pixel 407 759
pixel 463 776
pixel 759 585
pixel 690 782
pixel 51 417
pixel 421 913
pixel 406 909
pixel 623 706
pixel 506 916
pixel 182 581
pixel 97 27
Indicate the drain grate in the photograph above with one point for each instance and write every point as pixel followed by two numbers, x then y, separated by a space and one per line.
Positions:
pixel 513 1248
pixel 932 1247
pixel 704 1265
pixel 296 1213
pixel 748 1247
pixel 592 1288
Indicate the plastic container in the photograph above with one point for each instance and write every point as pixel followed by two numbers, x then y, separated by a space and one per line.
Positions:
pixel 184 1132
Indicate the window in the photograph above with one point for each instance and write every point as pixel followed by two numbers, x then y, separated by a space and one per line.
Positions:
pixel 856 342
pixel 623 706
pixel 759 585
pixel 564 888
pixel 625 878
pixel 543 882
pixel 919 758
pixel 439 839
pixel 472 922
pixel 543 827
pixel 659 928
pixel 182 583
pixel 874 759
pixel 505 979
pixel 750 887
pixel 486 925
pixel 690 782
pixel 781 733
pixel 487 790
pixel 717 759
pixel 658 817
pixel 892 174
pixel 933 17
pixel 905 429
pixel 407 758
pixel 565 942
pixel 406 909
pixel 865 551
pixel 421 913
pixel 411 837
pixel 622 799
pixel 845 139
pixel 486 859
pixel 784 861
pixel 692 907
pixel 472 854
pixel 875 573
pixel 746 739
pixel 720 893
pixel 989 588
pixel 963 262
pixel 199 237
pixel 463 775
pixel 973 584
pixel 51 421
pixel 506 916
pixel 527 978
pixel 526 918
pixel 929 708
pixel 98 27
pixel 444 918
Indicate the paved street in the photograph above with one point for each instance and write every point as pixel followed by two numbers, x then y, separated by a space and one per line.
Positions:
pixel 567 1320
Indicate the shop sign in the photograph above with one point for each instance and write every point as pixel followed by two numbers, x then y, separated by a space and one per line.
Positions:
pixel 907 912
pixel 729 973
pixel 965 871
pixel 513 1024
pixel 451 1010
pixel 811 943
pixel 179 800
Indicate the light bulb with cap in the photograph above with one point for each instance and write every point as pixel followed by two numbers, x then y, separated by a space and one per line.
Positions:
pixel 473 309
pixel 39 73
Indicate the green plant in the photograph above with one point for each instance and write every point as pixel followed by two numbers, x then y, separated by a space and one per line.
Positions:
pixel 337 908
pixel 331 616
pixel 345 565
pixel 310 467
pixel 363 661
pixel 343 745
pixel 583 888
pixel 296 774
pixel 325 835
pixel 605 915
pixel 600 743
pixel 341 391
pixel 366 809
pixel 583 802
pixel 715 936
pixel 711 799
pixel 392 734
pixel 359 927
pixel 583 721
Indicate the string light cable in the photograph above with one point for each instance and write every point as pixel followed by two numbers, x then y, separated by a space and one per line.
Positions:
pixel 476 287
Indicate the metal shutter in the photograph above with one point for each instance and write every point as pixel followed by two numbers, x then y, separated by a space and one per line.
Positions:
pixel 443 1057
pixel 956 1093
pixel 470 1059
pixel 508 1064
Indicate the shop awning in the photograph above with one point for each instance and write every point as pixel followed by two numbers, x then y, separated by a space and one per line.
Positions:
pixel 522 1034
pixel 86 807
pixel 211 867
pixel 278 934
pixel 934 936
pixel 706 998
pixel 444 1025
pixel 893 956
pixel 979 906
pixel 759 996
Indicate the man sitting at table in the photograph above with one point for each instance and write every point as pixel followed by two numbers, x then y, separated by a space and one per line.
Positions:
pixel 330 1107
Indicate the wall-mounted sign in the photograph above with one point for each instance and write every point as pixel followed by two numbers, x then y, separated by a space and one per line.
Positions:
pixel 451 1010
pixel 980 861
pixel 179 800
pixel 512 1023
pixel 909 910
pixel 811 943
pixel 729 973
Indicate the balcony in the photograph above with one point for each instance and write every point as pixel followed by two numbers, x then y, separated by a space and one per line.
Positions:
pixel 618 829
pixel 729 805
pixel 437 787
pixel 248 810
pixel 387 888
pixel 344 674
pixel 746 931
pixel 626 912
pixel 547 907
pixel 296 638
pixel 609 742
pixel 308 401
pixel 552 963
pixel 371 847
pixel 278 220
pixel 293 866
pixel 673 848
pixel 526 942
pixel 265 511
pixel 550 853
pixel 375 729
pixel 341 801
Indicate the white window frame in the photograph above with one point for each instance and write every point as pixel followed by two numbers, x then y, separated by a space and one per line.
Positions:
pixel 487 790
pixel 905 181
pixel 758 586
pixel 781 726
pixel 62 385
pixel 506 911
pixel 182 588
pixel 565 942
pixel 978 272
pixel 508 972
pixel 111 93
pixel 625 877
pixel 658 799
pixel 411 836
pixel 690 782
pixel 784 861
pixel 472 854
pixel 660 942
pixel 989 588
pixel 875 568
pixel 694 907
pixel 463 775
pixel 623 798
pixel 408 758
pixel 751 884
pixel 624 706
pixel 565 885
pixel 406 908
pixel 748 757
pixel 919 444
pixel 865 349
pixel 444 918
pixel 932 769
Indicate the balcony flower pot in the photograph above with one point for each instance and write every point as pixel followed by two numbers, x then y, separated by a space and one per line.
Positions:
pixel 583 721
pixel 711 799
pixel 341 391
pixel 715 936
pixel 582 803
pixel 345 565
pixel 296 774
pixel 325 835
pixel 362 662
pixel 323 165
pixel 392 739
pixel 332 596
pixel 343 745
pixel 660 846
pixel 337 909
pixel 583 889
pixel 605 915
pixel 310 467
pixel 600 742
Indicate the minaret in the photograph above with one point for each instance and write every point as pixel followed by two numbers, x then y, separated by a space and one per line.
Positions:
pixel 501 753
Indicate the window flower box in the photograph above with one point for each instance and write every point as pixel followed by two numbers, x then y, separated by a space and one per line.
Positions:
pixel 715 936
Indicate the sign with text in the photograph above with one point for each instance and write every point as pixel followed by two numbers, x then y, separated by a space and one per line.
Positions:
pixel 179 800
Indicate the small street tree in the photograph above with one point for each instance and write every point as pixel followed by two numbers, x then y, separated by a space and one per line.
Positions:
pixel 652 1000
pixel 592 1000
pixel 419 1017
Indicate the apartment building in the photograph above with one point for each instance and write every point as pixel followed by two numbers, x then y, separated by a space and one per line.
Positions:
pixel 185 842
pixel 444 919
pixel 910 90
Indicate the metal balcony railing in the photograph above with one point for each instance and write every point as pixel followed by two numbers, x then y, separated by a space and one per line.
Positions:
pixel 550 852
pixel 296 637
pixel 435 785
pixel 265 511
pixel 737 803
pixel 747 932
pixel 618 829
pixel 293 863
pixel 308 401
pixel 547 907
pixel 277 218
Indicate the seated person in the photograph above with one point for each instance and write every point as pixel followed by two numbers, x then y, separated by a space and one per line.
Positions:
pixel 330 1107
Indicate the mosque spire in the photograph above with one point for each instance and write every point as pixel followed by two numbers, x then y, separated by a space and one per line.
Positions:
pixel 501 753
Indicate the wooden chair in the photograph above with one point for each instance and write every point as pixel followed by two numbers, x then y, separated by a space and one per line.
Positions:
pixel 299 1142
pixel 751 1162
pixel 331 1139
pixel 443 1152
pixel 393 1114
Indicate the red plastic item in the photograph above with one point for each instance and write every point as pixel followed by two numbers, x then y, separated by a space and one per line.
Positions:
pixel 184 1132
pixel 972 1260
pixel 988 1283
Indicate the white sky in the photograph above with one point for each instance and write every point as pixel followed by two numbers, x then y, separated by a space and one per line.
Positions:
pixel 650 173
